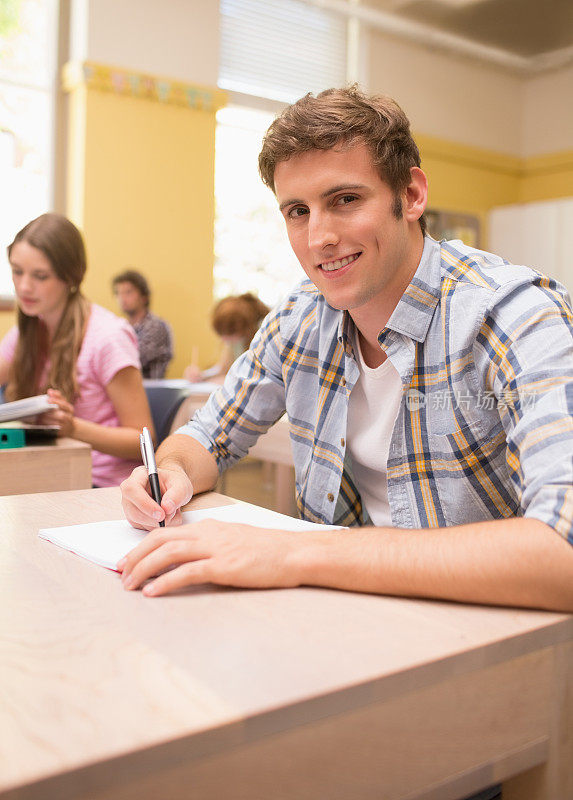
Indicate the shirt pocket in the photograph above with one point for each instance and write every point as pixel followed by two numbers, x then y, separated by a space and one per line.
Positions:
pixel 470 473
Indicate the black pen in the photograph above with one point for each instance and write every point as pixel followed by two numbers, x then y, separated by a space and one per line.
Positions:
pixel 148 457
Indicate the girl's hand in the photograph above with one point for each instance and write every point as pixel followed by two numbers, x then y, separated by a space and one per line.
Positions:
pixel 192 374
pixel 62 416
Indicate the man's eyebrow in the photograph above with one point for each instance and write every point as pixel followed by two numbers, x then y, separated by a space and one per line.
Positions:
pixel 289 203
pixel 343 187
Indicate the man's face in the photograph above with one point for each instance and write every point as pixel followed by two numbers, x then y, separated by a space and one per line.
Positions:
pixel 342 225
pixel 129 298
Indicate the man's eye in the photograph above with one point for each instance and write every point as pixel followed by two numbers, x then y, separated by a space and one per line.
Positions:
pixel 298 211
pixel 346 198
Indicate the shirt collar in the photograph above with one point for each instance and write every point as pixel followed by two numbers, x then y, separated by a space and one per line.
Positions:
pixel 415 309
pixel 413 314
pixel 142 320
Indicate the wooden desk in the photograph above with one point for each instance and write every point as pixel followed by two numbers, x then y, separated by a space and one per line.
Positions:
pixel 304 693
pixel 187 408
pixel 54 466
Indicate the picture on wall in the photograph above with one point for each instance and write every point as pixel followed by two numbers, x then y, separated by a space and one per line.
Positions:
pixel 452 225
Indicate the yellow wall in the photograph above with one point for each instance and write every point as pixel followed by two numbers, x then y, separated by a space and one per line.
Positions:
pixel 142 190
pixel 7 319
pixel 472 180
pixel 547 177
pixel 468 179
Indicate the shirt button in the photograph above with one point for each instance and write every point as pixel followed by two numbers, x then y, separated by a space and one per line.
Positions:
pixel 342 442
pixel 330 497
pixel 343 381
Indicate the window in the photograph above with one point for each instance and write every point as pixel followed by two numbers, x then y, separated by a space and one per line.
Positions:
pixel 280 49
pixel 27 58
pixel 272 52
pixel 252 252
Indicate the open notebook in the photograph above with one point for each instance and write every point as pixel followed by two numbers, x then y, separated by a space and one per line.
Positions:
pixel 105 543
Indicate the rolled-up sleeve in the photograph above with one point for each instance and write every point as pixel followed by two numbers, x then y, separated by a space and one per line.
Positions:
pixel 526 356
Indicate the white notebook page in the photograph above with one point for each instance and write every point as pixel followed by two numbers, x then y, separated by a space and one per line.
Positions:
pixel 105 543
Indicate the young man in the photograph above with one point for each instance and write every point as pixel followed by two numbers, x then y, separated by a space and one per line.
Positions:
pixel 428 387
pixel 153 334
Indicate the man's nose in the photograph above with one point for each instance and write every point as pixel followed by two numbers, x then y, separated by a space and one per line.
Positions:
pixel 321 231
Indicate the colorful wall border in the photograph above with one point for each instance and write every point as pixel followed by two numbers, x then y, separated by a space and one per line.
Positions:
pixel 128 83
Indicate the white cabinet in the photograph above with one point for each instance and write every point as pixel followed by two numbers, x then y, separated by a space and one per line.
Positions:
pixel 537 234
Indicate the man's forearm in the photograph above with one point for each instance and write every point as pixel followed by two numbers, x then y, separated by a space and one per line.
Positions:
pixel 516 562
pixel 184 452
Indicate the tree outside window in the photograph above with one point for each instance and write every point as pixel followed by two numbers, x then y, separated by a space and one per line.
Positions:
pixel 27 47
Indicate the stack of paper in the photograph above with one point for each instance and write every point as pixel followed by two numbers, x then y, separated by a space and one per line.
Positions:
pixel 27 407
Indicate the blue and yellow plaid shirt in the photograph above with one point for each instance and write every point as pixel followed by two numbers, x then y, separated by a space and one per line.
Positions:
pixel 484 350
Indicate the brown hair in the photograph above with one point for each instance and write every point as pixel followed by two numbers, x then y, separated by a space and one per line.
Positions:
pixel 137 279
pixel 62 244
pixel 344 117
pixel 239 315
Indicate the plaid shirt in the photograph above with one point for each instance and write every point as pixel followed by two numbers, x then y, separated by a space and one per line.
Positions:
pixel 155 342
pixel 484 350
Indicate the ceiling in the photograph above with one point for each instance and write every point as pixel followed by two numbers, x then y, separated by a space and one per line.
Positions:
pixel 531 29
pixel 526 36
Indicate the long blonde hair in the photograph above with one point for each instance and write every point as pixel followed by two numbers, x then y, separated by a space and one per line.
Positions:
pixel 62 244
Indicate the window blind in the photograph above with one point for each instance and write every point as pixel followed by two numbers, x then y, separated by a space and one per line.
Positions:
pixel 280 49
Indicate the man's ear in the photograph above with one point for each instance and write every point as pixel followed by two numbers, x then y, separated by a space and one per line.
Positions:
pixel 416 195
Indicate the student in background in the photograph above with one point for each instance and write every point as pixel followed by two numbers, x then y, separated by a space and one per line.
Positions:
pixel 81 354
pixel 235 319
pixel 153 334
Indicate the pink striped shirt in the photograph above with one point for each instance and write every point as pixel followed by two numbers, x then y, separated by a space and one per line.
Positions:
pixel 109 346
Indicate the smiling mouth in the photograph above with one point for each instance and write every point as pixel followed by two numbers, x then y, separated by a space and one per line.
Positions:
pixel 332 266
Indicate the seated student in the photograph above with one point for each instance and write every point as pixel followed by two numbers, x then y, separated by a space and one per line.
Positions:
pixel 235 319
pixel 428 385
pixel 153 333
pixel 80 353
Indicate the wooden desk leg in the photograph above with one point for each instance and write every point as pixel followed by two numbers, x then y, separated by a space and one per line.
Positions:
pixel 284 490
pixel 554 779
pixel 268 474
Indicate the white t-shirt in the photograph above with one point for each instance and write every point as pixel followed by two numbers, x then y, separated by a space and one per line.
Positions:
pixel 372 411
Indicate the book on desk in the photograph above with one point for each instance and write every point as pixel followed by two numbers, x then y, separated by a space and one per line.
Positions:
pixel 20 434
pixel 14 432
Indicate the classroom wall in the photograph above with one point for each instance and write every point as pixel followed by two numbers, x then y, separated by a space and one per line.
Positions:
pixel 547 113
pixel 140 167
pixel 142 192
pixel 487 137
pixel 447 96
pixel 141 159
pixel 174 38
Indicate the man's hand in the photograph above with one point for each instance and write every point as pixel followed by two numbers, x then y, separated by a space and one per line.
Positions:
pixel 210 551
pixel 139 507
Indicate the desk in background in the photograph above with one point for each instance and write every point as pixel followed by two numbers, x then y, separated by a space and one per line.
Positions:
pixel 300 693
pixel 273 448
pixel 50 467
